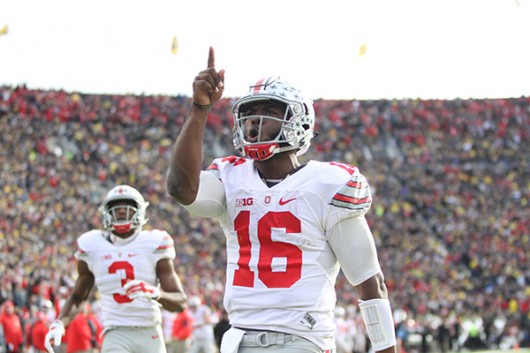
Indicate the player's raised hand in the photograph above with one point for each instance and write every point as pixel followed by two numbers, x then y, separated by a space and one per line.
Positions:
pixel 208 85
pixel 54 336
pixel 139 289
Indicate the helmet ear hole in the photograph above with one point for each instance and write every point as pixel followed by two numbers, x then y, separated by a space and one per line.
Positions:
pixel 306 109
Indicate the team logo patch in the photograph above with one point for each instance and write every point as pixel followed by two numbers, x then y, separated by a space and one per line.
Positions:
pixel 247 201
pixel 286 201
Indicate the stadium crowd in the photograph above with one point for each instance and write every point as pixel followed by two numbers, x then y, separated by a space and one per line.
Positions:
pixel 451 213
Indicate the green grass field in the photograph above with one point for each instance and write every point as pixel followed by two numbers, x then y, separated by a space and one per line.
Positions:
pixel 520 350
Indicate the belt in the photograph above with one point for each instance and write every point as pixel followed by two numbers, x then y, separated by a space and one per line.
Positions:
pixel 265 338
pixel 129 327
pixel 110 328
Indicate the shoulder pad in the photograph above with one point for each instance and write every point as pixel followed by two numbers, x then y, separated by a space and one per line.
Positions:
pixel 355 194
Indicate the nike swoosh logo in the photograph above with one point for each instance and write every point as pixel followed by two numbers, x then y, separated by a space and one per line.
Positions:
pixel 131 255
pixel 284 202
pixel 154 337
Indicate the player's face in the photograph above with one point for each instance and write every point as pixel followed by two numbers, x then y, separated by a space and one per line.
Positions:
pixel 121 210
pixel 266 121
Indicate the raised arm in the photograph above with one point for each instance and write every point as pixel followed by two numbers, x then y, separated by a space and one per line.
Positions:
pixel 186 157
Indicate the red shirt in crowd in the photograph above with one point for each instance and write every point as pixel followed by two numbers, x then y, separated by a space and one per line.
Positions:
pixel 36 332
pixel 182 326
pixel 12 327
pixel 80 336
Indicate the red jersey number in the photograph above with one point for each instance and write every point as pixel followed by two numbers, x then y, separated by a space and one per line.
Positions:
pixel 129 275
pixel 269 249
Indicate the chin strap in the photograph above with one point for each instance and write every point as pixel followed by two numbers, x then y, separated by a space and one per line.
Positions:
pixel 261 152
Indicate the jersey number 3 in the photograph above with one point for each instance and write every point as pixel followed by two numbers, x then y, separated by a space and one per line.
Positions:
pixel 269 249
pixel 129 275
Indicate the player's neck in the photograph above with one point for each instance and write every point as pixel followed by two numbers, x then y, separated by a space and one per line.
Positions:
pixel 123 239
pixel 278 167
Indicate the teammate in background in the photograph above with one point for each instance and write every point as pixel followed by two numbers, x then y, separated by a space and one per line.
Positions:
pixel 134 273
pixel 344 331
pixel 202 337
pixel 288 226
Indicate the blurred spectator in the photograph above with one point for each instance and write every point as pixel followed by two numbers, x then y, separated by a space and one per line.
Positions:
pixel 443 336
pixel 181 332
pixel 472 337
pixel 525 330
pixel 12 326
pixel 219 329
pixel 36 331
pixel 84 332
pixel 3 346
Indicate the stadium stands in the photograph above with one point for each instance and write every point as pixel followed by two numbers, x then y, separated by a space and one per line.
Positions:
pixel 451 212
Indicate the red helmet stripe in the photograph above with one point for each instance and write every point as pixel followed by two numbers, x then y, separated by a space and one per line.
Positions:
pixel 257 86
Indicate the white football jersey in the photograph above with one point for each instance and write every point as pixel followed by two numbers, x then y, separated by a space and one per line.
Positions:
pixel 281 271
pixel 114 265
pixel 202 330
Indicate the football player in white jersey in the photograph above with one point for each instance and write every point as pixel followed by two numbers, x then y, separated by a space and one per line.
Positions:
pixel 289 226
pixel 134 272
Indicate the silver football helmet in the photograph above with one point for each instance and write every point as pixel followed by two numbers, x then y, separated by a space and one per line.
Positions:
pixel 135 215
pixel 298 122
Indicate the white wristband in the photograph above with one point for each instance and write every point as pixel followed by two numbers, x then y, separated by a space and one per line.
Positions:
pixel 379 322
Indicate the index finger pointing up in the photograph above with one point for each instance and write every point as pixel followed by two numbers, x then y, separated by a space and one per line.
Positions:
pixel 211 58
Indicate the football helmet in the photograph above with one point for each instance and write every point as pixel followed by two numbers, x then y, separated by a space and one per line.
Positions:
pixel 135 215
pixel 298 122
pixel 194 301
